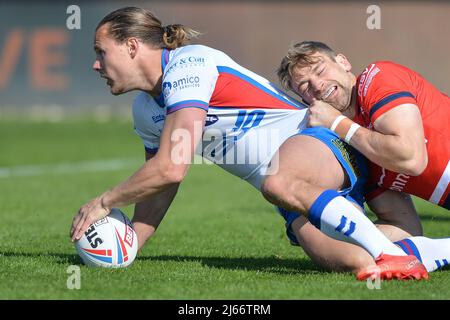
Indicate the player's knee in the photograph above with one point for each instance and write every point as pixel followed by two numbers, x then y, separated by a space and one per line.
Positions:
pixel 277 189
pixel 272 188
pixel 285 192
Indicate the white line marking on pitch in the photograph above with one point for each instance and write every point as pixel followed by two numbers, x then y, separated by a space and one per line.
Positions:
pixel 69 167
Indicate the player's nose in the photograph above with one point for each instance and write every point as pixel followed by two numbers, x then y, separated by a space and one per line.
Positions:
pixel 317 86
pixel 96 66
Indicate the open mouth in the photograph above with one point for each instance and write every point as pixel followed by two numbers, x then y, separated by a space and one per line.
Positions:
pixel 108 80
pixel 329 92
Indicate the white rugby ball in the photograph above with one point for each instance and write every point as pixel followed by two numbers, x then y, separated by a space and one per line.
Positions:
pixel 109 242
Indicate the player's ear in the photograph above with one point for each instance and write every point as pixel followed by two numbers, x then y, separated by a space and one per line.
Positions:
pixel 132 46
pixel 343 62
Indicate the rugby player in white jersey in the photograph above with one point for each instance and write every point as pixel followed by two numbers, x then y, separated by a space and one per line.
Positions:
pixel 197 99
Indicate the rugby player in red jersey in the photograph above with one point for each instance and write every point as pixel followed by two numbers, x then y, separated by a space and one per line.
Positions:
pixel 390 113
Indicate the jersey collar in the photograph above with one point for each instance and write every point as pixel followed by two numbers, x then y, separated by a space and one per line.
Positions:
pixel 160 100
pixel 164 59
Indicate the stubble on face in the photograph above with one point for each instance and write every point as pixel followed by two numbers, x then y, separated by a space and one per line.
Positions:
pixel 331 82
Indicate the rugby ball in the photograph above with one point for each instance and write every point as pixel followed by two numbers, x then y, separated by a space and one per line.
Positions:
pixel 109 242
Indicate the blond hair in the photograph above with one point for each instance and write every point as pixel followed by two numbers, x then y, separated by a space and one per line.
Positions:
pixel 142 24
pixel 300 55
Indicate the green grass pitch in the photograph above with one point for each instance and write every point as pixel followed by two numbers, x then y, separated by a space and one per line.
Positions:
pixel 219 240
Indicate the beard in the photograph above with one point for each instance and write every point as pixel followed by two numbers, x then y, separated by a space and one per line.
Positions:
pixel 341 99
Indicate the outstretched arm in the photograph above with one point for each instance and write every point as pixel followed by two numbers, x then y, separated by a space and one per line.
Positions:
pixel 149 213
pixel 181 134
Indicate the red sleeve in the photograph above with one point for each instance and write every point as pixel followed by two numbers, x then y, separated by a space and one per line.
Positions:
pixel 383 86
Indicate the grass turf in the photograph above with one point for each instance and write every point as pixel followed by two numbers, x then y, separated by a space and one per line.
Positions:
pixel 219 240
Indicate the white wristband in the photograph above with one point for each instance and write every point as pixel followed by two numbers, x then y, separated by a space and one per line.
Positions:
pixel 336 122
pixel 351 132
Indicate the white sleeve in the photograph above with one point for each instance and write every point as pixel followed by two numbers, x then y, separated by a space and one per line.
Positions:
pixel 147 122
pixel 189 80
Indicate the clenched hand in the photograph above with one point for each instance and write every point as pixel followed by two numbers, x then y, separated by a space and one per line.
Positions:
pixel 321 114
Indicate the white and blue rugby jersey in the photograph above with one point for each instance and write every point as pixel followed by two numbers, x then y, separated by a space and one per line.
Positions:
pixel 247 117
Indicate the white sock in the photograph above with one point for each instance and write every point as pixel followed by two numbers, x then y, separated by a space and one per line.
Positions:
pixel 433 253
pixel 340 219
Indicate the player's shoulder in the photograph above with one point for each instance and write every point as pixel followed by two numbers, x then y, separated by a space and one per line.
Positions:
pixel 378 74
pixel 194 51
pixel 385 64
pixel 382 68
pixel 191 56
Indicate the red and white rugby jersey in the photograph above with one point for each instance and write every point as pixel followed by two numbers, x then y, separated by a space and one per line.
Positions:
pixel 247 117
pixel 383 86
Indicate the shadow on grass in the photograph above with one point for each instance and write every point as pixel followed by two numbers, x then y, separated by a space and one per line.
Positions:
pixel 431 217
pixel 266 264
pixel 61 258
